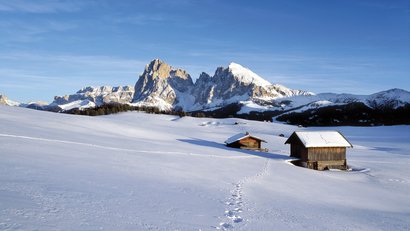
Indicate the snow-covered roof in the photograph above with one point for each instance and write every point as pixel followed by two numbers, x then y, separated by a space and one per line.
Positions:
pixel 240 136
pixel 322 139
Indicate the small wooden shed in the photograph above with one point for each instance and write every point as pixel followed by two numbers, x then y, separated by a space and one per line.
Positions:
pixel 245 141
pixel 319 150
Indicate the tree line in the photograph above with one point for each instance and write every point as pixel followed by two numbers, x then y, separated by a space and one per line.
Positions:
pixel 113 108
pixel 353 114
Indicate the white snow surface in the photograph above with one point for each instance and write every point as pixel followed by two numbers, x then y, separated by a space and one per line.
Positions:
pixel 137 171
pixel 247 76
pixel 322 139
pixel 249 106
pixel 80 104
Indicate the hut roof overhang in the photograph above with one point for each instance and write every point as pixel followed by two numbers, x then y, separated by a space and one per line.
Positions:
pixel 321 139
pixel 241 136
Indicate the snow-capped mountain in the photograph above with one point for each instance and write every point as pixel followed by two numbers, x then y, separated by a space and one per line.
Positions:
pixel 232 91
pixel 163 86
pixel 94 96
pixel 392 98
pixel 236 83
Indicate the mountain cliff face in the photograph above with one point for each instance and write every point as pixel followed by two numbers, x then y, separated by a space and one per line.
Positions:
pixel 236 83
pixel 163 86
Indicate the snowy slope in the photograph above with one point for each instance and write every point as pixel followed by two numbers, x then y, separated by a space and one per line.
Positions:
pixel 136 171
pixel 80 104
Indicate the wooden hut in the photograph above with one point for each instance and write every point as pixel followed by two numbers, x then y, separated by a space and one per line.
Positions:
pixel 319 150
pixel 245 141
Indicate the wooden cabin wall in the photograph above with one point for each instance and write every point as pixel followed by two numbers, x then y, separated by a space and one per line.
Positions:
pixel 297 149
pixel 250 143
pixel 326 154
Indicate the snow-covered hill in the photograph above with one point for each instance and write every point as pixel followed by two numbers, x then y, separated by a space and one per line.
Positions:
pixel 136 171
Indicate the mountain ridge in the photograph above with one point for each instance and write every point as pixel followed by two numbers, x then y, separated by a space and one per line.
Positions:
pixel 172 89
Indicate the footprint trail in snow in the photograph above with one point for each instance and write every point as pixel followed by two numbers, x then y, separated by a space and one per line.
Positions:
pixel 235 204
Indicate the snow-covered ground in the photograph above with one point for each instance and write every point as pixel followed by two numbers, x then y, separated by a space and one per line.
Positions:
pixel 137 171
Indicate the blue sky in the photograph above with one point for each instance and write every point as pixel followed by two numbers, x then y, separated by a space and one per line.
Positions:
pixel 52 47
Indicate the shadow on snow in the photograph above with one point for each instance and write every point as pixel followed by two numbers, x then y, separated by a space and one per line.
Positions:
pixel 213 144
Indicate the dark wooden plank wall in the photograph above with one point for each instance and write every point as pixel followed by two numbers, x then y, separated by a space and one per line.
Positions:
pixel 299 151
pixel 326 154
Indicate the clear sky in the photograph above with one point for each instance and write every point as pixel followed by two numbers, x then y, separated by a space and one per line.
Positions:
pixel 53 47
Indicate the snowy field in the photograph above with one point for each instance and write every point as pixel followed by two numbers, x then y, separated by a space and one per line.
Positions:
pixel 136 171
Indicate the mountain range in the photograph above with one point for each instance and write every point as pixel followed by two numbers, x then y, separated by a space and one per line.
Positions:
pixel 168 88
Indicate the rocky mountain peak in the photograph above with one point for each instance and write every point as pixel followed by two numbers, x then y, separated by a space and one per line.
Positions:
pixel 219 71
pixel 204 77
pixel 161 84
pixel 235 83
pixel 3 100
pixel 159 69
pixel 246 76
